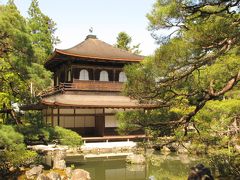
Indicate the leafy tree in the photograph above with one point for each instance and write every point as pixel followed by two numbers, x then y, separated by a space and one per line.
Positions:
pixel 19 60
pixel 196 64
pixel 124 42
pixel 15 55
pixel 195 73
pixel 42 30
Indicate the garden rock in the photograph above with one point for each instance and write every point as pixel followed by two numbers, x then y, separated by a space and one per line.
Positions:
pixel 80 174
pixel 42 177
pixel 135 159
pixel 165 150
pixel 54 176
pixel 59 164
pixel 34 172
pixel 68 172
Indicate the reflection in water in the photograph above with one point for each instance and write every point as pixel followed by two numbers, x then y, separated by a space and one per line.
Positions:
pixel 159 167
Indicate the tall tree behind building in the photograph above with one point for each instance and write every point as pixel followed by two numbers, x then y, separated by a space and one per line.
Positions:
pixel 42 31
pixel 22 53
pixel 124 42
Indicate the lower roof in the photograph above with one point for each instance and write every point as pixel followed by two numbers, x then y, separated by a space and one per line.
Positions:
pixel 93 101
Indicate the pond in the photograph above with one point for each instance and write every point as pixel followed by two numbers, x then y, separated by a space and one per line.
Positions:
pixel 158 167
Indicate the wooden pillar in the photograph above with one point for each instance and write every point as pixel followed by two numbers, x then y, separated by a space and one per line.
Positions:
pixel 94 70
pixel 74 116
pixel 58 117
pixel 103 122
pixel 52 116
pixel 65 74
pixel 114 75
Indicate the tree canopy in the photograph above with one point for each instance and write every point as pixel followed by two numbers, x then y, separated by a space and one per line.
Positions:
pixel 24 45
pixel 197 62
pixel 124 42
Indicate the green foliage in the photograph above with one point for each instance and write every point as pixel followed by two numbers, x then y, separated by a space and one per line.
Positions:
pixel 63 136
pixel 42 29
pixel 124 42
pixel 24 45
pixel 227 164
pixel 148 121
pixel 195 73
pixel 67 137
pixel 13 151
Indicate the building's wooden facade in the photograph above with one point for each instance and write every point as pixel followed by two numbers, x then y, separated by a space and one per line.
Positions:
pixel 88 80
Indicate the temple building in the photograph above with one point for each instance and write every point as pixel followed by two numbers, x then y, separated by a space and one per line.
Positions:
pixel 88 80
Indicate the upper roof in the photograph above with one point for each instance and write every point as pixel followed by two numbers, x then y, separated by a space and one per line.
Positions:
pixel 93 48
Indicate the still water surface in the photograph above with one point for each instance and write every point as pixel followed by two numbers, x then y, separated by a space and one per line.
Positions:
pixel 160 167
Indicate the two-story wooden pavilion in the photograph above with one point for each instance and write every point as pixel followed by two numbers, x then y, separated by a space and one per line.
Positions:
pixel 88 79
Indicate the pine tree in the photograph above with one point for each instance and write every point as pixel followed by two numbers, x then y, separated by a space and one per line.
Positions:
pixel 42 30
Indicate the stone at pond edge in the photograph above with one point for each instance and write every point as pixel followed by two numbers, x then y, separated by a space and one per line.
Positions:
pixel 165 150
pixel 59 164
pixel 54 176
pixel 34 172
pixel 58 160
pixel 135 159
pixel 68 172
pixel 80 174
pixel 42 177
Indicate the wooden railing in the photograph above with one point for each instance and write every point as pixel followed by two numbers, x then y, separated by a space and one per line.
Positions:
pixel 97 85
pixel 80 85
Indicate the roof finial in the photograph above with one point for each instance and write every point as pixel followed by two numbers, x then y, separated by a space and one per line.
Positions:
pixel 91 30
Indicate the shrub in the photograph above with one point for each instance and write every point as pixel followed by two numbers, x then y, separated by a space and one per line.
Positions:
pixel 226 163
pixel 67 137
pixel 64 136
pixel 13 150
pixel 32 132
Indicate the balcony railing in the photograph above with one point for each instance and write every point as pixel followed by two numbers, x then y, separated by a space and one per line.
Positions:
pixel 79 85
pixel 97 85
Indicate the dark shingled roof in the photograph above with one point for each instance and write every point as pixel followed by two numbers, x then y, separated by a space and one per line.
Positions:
pixel 97 49
pixel 93 48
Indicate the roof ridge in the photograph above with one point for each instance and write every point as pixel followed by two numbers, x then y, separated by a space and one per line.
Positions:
pixel 123 50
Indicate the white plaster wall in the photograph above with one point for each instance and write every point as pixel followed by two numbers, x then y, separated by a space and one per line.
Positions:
pixel 55 111
pixel 89 121
pixel 49 120
pixel 111 121
pixel 55 121
pixel 109 110
pixel 68 121
pixel 79 121
pixel 99 111
pixel 66 111
pixel 49 111
pixel 85 111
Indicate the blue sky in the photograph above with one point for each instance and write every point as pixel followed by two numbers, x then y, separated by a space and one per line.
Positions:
pixel 107 17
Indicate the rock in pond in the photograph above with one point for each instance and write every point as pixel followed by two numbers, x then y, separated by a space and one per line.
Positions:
pixel 34 172
pixel 135 159
pixel 165 150
pixel 54 176
pixel 68 172
pixel 59 164
pixel 58 160
pixel 80 174
pixel 42 177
